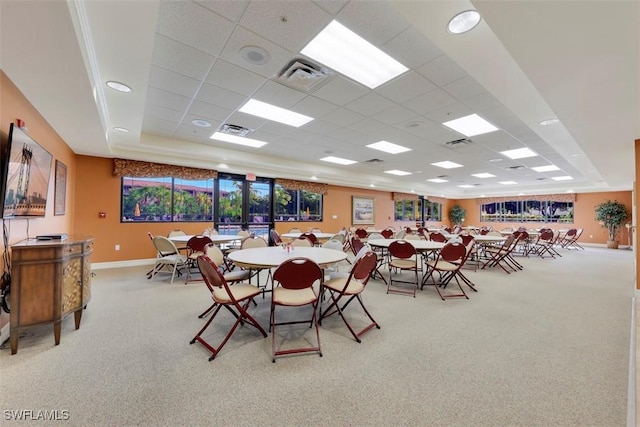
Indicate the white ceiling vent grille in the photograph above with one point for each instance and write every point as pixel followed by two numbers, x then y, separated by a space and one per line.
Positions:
pixel 235 130
pixel 304 76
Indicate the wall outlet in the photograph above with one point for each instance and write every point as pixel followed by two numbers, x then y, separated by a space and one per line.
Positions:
pixel 117 247
pixel 334 216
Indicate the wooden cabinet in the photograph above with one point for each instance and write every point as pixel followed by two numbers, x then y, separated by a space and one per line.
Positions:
pixel 49 280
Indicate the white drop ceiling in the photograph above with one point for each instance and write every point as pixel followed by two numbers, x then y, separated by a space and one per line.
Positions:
pixel 526 61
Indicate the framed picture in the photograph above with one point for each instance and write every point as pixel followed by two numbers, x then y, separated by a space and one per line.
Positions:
pixel 60 189
pixel 362 210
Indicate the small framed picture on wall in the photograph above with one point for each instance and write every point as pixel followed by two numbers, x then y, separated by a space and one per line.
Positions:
pixel 363 209
pixel 60 189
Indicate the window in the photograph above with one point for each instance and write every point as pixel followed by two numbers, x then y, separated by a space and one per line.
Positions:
pixel 167 199
pixel 405 210
pixel 297 205
pixel 527 211
pixel 432 211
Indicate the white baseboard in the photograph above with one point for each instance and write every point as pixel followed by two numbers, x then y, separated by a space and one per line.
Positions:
pixel 631 390
pixel 119 264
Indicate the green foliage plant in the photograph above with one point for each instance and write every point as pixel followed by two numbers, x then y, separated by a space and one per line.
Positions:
pixel 457 214
pixel 611 214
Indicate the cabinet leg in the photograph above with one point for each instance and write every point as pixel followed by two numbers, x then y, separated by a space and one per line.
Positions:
pixel 77 315
pixel 14 343
pixel 57 326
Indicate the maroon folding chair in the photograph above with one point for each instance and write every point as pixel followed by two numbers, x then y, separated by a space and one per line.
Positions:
pixel 387 234
pixel 312 237
pixel 500 255
pixel 361 233
pixel 234 298
pixel 403 257
pixel 437 237
pixel 351 287
pixel 195 248
pixel 296 277
pixel 447 265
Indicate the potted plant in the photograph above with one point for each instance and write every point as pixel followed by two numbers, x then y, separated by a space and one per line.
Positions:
pixel 457 214
pixel 612 214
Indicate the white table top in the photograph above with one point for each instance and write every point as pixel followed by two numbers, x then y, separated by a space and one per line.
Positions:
pixel 273 256
pixel 320 236
pixel 215 238
pixel 489 239
pixel 420 245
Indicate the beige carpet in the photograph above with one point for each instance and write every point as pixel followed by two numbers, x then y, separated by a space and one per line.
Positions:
pixel 547 346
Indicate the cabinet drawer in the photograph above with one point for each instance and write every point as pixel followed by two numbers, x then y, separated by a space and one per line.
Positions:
pixel 73 249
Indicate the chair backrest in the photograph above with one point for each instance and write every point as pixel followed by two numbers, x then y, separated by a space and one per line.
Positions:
pixel 387 233
pixel 356 244
pixel 295 230
pixel 197 243
pixel 468 241
pixel 215 254
pixel 275 237
pixel 375 236
pixel 402 249
pixel 210 273
pixel 312 237
pixel 302 241
pixel 361 233
pixel 579 232
pixel 210 231
pixel 408 230
pixel 484 231
pixel 333 244
pixel 253 242
pixel 546 235
pixel 412 237
pixel 244 233
pixel 174 233
pixel 399 234
pixel 457 229
pixel 164 246
pixel 572 232
pixel 437 237
pixel 511 239
pixel 338 236
pixel 363 267
pixel 453 252
pixel 316 230
pixel 297 273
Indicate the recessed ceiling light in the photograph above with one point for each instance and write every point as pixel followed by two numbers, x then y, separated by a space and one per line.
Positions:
pixel 372 186
pixel 388 147
pixel 561 178
pixel 201 123
pixel 549 122
pixel 508 182
pixel 314 178
pixel 471 125
pixel 547 168
pixel 463 22
pixel 343 50
pixel 397 172
pixel 495 160
pixel 121 129
pixel 255 143
pixel 120 87
pixel 570 191
pixel 447 165
pixel 277 114
pixel 519 153
pixel 254 55
pixel 466 186
pixel 483 175
pixel 438 180
pixel 223 166
pixel 338 160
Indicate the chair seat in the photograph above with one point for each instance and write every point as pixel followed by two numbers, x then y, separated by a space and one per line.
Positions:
pixel 236 275
pixel 443 265
pixel 239 291
pixel 293 297
pixel 337 284
pixel 194 255
pixel 403 263
pixel 172 259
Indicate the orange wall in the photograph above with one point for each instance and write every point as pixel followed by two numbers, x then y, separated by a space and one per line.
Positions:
pixel 584 216
pixel 13 106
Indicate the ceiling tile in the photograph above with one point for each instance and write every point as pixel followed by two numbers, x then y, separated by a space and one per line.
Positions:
pixel 405 87
pixel 234 78
pixel 442 71
pixel 173 82
pixel 340 91
pixel 430 101
pixel 370 104
pixel 230 9
pixel 180 58
pixel 221 97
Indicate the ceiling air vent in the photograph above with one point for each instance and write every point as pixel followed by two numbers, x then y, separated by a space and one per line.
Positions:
pixel 458 142
pixel 304 75
pixel 373 161
pixel 235 130
pixel 515 168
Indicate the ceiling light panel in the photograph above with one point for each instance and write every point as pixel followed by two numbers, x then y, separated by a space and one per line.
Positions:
pixel 471 125
pixel 397 172
pixel 346 52
pixel 388 147
pixel 519 153
pixel 466 186
pixel 277 114
pixel 463 22
pixel 338 160
pixel 438 180
pixel 548 168
pixel 255 143
pixel 483 175
pixel 447 165
pixel 561 178
pixel 508 182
